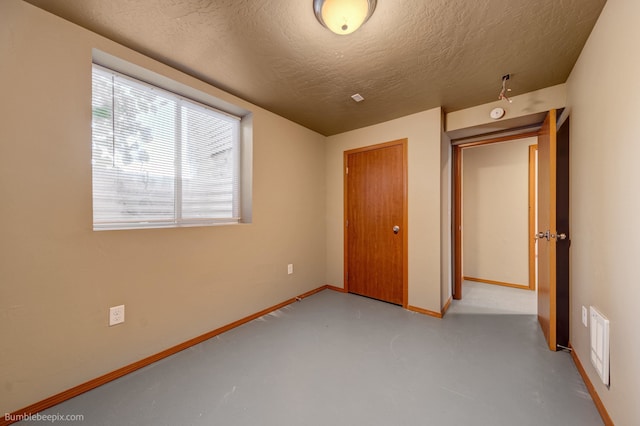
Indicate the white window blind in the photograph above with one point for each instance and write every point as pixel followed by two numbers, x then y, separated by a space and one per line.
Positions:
pixel 159 159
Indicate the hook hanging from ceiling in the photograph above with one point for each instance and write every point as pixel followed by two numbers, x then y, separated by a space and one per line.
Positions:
pixel 504 90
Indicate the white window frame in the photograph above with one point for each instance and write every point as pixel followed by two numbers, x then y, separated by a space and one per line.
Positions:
pixel 178 220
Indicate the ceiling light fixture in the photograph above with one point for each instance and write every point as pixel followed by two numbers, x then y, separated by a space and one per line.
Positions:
pixel 343 16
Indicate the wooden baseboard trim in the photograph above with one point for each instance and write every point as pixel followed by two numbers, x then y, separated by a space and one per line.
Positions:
pixel 424 311
pixel 446 306
pixel 99 381
pixel 334 288
pixel 592 390
pixel 481 280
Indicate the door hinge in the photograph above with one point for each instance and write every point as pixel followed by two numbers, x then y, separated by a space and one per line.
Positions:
pixel 347 223
pixel 347 171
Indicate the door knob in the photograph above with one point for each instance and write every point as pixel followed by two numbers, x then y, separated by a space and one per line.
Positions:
pixel 396 229
pixel 562 236
pixel 547 234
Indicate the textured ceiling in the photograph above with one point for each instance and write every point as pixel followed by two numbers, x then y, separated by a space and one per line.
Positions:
pixel 412 55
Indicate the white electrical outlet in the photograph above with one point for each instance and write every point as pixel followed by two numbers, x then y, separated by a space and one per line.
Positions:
pixel 116 315
pixel 290 268
pixel 584 316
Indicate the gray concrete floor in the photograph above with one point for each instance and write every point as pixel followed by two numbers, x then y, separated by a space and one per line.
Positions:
pixel 481 298
pixel 341 359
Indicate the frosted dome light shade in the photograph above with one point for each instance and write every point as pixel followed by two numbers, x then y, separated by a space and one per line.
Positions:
pixel 343 16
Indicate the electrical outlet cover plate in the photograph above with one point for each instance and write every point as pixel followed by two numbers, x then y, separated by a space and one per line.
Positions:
pixel 116 315
pixel 585 316
pixel 290 268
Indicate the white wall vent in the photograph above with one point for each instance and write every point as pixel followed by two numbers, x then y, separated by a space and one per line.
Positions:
pixel 599 326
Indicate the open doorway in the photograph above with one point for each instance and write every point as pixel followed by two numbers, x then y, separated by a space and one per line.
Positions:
pixel 495 255
pixel 552 236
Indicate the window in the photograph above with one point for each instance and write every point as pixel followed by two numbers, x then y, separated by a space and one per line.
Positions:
pixel 159 159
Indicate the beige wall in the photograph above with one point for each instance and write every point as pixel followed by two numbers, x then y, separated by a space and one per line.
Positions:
pixel 604 103
pixel 496 210
pixel 58 277
pixel 423 132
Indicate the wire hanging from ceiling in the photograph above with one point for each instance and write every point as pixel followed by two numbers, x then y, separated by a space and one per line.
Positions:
pixel 505 90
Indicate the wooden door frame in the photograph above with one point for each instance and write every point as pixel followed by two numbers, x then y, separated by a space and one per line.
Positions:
pixel 457 203
pixel 405 213
pixel 533 207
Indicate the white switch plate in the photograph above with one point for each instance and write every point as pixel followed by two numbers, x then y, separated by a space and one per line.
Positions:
pixel 585 316
pixel 116 315
pixel 290 268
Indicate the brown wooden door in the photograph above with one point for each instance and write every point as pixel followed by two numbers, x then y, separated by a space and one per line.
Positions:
pixel 563 243
pixel 375 203
pixel 547 170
